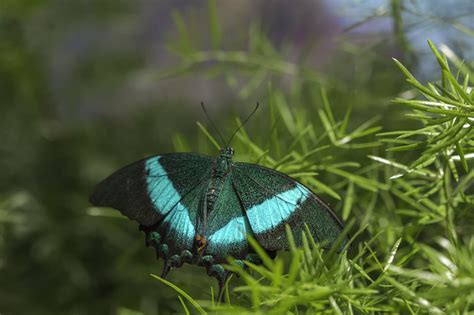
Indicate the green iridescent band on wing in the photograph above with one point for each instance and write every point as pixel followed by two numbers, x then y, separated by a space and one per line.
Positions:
pixel 296 207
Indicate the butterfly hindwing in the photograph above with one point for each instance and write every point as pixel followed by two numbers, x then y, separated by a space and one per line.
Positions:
pixel 227 225
pixel 177 193
pixel 272 200
pixel 162 193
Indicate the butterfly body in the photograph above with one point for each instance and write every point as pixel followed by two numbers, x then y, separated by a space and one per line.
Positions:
pixel 199 210
pixel 221 168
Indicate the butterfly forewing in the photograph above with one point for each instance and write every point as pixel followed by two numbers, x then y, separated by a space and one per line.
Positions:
pixel 272 200
pixel 163 190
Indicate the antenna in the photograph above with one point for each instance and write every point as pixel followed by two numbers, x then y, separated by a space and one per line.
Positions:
pixel 242 124
pixel 212 124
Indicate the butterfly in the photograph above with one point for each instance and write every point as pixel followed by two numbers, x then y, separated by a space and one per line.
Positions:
pixel 200 210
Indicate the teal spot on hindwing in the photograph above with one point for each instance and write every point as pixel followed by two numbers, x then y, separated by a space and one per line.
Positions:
pixel 277 209
pixel 167 200
pixel 232 232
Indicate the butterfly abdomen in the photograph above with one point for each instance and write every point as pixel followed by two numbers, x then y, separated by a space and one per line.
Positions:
pixel 213 191
pixel 211 197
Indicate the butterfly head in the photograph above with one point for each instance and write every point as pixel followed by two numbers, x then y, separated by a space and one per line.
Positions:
pixel 227 152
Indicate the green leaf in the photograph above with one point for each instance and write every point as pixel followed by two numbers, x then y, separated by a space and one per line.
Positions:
pixel 193 302
pixel 208 135
pixel 348 201
pixel 363 182
pixel 323 187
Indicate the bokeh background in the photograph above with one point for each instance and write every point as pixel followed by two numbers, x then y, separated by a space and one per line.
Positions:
pixel 89 86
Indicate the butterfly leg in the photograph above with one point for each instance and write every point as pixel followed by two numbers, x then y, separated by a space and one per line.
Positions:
pixel 221 283
pixel 166 270
pixel 217 271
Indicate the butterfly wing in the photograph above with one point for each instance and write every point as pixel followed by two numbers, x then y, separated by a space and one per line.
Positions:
pixel 227 225
pixel 272 199
pixel 162 193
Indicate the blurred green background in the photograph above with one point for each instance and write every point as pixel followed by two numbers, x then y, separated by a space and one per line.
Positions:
pixel 89 86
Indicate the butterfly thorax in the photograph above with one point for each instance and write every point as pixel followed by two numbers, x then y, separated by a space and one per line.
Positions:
pixel 221 168
pixel 222 165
